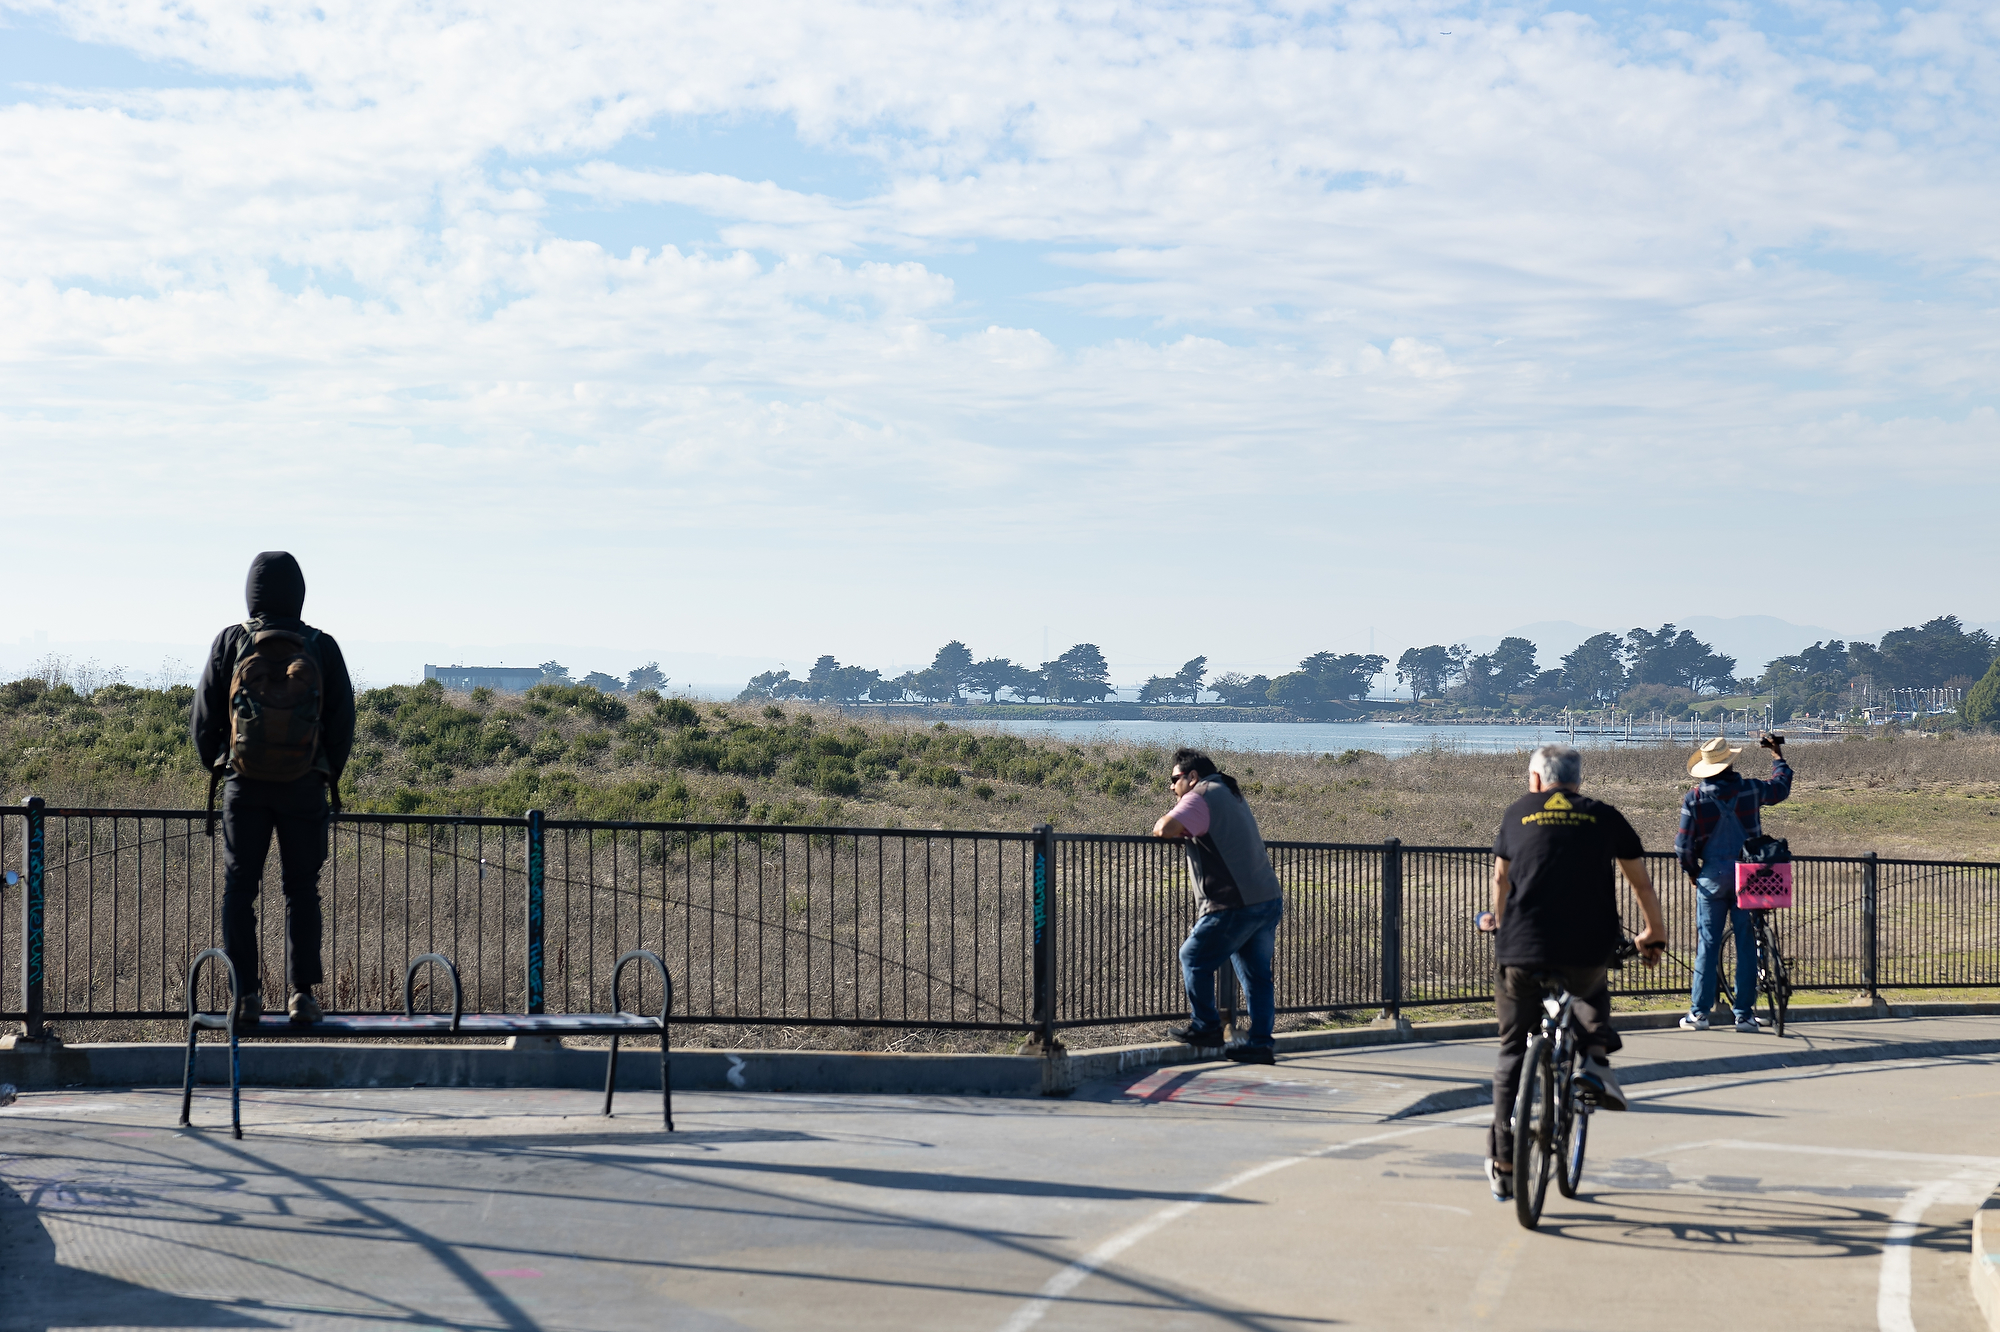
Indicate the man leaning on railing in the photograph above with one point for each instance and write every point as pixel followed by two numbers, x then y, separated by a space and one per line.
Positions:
pixel 1241 902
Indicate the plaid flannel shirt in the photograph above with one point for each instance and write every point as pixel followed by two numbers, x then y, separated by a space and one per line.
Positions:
pixel 1701 809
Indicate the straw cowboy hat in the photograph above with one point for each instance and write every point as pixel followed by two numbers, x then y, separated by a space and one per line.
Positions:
pixel 1713 757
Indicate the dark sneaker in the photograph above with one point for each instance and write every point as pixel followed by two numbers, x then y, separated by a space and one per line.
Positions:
pixel 249 1008
pixel 1598 1079
pixel 305 1009
pixel 1500 1181
pixel 1245 1053
pixel 1199 1037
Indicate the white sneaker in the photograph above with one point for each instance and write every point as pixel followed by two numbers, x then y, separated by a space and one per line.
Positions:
pixel 1695 1022
pixel 1500 1181
pixel 1597 1076
pixel 1747 1024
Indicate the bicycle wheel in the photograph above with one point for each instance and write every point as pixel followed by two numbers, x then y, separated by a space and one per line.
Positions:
pixel 1773 977
pixel 1575 1133
pixel 1534 1116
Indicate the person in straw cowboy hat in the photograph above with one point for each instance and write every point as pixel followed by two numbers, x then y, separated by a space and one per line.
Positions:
pixel 1717 817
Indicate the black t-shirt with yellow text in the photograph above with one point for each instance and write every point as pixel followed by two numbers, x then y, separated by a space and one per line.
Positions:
pixel 1562 910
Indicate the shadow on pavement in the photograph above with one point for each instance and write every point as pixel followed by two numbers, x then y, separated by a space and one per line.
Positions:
pixel 37 1292
pixel 1750 1227
pixel 1663 1108
pixel 560 1147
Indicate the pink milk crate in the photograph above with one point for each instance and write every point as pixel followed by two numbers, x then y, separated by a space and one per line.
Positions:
pixel 1763 887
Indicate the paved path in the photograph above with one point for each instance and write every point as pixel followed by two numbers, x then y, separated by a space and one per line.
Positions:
pixel 1214 1196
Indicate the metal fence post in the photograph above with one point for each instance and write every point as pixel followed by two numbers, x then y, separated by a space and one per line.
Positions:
pixel 1392 927
pixel 1045 937
pixel 32 924
pixel 536 874
pixel 1871 941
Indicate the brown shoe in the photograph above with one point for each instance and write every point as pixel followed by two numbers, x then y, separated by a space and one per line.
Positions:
pixel 249 1008
pixel 305 1009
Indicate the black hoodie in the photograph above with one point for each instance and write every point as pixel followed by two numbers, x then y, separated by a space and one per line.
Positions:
pixel 275 593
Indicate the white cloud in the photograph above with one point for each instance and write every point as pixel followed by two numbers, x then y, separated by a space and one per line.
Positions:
pixel 1287 258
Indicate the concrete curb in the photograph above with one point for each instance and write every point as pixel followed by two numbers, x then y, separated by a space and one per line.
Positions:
pixel 545 1062
pixel 1986 1261
pixel 1481 1093
pixel 522 1063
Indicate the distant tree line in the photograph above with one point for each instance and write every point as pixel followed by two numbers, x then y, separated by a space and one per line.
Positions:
pixel 1666 669
pixel 1938 654
pixel 1079 675
pixel 1601 670
pixel 648 676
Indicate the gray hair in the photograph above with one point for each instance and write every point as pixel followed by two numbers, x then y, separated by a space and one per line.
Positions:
pixel 1559 765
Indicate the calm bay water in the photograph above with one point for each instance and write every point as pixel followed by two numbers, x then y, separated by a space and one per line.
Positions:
pixel 1391 738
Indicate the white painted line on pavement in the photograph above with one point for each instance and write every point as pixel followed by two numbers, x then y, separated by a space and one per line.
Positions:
pixel 1808 1149
pixel 1892 1293
pixel 1067 1280
pixel 1715 1082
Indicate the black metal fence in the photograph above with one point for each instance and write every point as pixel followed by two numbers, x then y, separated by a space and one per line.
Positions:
pixel 880 928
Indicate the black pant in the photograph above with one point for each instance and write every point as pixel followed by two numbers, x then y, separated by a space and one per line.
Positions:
pixel 1517 1000
pixel 251 812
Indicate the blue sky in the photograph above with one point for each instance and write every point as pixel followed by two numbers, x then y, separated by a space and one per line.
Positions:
pixel 763 330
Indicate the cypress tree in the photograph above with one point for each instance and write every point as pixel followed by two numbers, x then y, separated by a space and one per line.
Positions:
pixel 1981 704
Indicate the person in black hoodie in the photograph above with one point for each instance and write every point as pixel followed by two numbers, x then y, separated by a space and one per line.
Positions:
pixel 253 810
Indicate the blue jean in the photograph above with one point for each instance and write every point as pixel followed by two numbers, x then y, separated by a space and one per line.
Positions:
pixel 1246 936
pixel 1716 905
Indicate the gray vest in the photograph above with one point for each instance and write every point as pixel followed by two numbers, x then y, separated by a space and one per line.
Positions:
pixel 1233 838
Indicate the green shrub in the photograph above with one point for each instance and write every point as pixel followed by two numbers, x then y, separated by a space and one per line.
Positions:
pixel 582 698
pixel 835 775
pixel 933 774
pixel 1981 704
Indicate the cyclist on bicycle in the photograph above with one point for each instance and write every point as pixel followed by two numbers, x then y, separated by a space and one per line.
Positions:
pixel 1555 907
pixel 1717 817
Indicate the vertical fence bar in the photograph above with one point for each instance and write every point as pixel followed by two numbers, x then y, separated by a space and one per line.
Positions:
pixel 32 923
pixel 1870 933
pixel 1392 927
pixel 536 870
pixel 1045 938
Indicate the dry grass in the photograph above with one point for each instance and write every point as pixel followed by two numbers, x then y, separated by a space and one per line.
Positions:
pixel 580 755
pixel 1902 796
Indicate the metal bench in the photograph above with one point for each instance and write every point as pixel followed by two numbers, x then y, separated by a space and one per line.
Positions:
pixel 350 1026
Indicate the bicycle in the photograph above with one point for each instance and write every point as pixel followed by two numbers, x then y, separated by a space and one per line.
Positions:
pixel 1552 1108
pixel 1774 975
